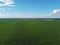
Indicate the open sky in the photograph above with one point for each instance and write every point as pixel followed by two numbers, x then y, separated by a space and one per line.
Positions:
pixel 29 8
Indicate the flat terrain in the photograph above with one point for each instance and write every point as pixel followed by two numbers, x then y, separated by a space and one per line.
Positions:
pixel 29 32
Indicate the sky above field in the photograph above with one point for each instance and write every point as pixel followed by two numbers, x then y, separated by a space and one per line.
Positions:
pixel 29 8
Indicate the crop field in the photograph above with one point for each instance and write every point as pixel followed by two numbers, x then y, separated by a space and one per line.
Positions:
pixel 29 32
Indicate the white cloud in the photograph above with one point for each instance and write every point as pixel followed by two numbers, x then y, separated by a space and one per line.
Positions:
pixel 54 12
pixel 4 15
pixel 7 3
pixel 19 15
pixel 3 10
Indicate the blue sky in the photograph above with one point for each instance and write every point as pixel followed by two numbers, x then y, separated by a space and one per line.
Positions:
pixel 29 8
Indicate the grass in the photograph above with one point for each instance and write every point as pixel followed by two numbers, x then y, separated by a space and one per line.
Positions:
pixel 29 32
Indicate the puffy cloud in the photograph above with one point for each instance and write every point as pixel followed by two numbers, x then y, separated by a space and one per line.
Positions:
pixel 7 3
pixel 54 12
pixel 5 10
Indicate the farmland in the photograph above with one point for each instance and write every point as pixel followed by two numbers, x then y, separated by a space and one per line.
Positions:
pixel 29 32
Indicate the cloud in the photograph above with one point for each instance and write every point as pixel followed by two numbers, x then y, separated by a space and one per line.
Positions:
pixel 7 3
pixel 19 15
pixel 54 12
pixel 5 15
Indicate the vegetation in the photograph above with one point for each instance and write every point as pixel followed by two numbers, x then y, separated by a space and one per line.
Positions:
pixel 29 32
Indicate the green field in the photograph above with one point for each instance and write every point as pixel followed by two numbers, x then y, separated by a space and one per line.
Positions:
pixel 29 32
